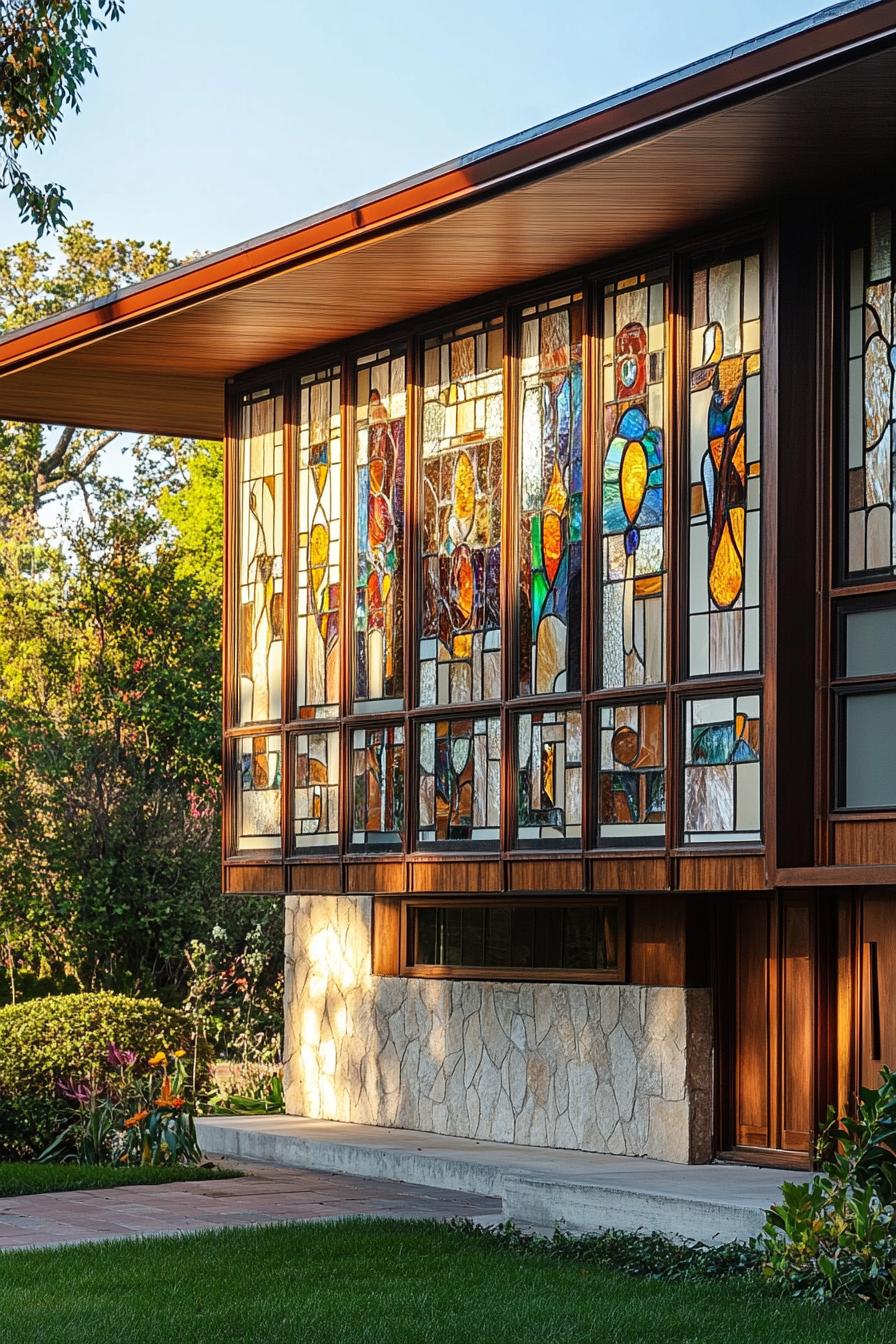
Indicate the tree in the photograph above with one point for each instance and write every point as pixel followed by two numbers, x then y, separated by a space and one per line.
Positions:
pixel 36 462
pixel 45 58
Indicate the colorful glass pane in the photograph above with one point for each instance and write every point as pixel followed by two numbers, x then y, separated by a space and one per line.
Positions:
pixel 316 789
pixel 317 552
pixel 722 780
pixel 260 548
pixel 550 553
pixel 378 786
pixel 871 438
pixel 460 781
pixel 725 425
pixel 463 427
pixel 549 778
pixel 632 801
pixel 258 792
pixel 380 403
pixel 632 550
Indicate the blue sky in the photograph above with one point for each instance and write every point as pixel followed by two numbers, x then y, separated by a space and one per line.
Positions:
pixel 214 120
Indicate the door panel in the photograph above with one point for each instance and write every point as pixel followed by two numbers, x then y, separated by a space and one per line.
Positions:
pixel 772 1034
pixel 877 987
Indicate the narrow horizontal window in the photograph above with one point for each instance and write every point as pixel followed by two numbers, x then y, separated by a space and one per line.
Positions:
pixel 506 937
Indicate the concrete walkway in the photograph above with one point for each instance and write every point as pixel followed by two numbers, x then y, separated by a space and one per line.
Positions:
pixel 266 1194
pixel 538 1187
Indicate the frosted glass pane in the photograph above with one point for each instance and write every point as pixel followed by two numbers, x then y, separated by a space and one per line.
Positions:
pixel 871 643
pixel 870 759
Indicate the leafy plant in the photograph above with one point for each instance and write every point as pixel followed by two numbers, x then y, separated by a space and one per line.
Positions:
pixel 141 1120
pixel 834 1239
pixel 66 1037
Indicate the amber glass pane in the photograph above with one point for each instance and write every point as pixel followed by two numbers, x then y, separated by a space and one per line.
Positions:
pixel 260 550
pixel 317 544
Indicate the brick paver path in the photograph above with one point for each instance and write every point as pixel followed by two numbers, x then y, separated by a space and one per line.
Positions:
pixel 266 1194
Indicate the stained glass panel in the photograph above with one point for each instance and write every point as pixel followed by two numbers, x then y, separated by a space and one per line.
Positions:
pixel 549 778
pixel 550 554
pixel 632 548
pixel 722 780
pixel 378 786
pixel 260 618
pixel 317 551
pixel 725 492
pixel 316 789
pixel 463 427
pixel 258 792
pixel 380 403
pixel 632 802
pixel 460 781
pixel 872 402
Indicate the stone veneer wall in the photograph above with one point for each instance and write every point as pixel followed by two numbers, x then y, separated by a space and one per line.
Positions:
pixel 623 1069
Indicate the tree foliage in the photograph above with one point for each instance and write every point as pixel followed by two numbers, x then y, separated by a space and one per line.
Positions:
pixel 45 58
pixel 110 745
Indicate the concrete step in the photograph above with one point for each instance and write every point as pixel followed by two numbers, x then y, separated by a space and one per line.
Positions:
pixel 540 1187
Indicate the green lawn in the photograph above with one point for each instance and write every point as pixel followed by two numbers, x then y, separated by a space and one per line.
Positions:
pixel 380 1282
pixel 35 1178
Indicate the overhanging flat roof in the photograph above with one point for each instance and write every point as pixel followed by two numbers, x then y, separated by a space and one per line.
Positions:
pixel 765 120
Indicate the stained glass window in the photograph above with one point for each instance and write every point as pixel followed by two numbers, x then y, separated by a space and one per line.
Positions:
pixel 463 426
pixel 725 424
pixel 317 552
pixel 258 792
pixel 378 786
pixel 632 791
pixel 460 781
pixel 872 402
pixel 260 619
pixel 549 777
pixel 632 550
pixel 316 789
pixel 550 553
pixel 721 769
pixel 380 402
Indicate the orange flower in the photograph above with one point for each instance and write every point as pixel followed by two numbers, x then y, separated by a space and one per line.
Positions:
pixel 135 1119
pixel 158 1058
pixel 166 1097
pixel 179 1054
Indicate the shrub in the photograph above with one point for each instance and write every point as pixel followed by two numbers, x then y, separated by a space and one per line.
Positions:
pixel 66 1037
pixel 835 1238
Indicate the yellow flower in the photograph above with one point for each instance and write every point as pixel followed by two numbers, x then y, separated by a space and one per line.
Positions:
pixel 179 1054
pixel 159 1057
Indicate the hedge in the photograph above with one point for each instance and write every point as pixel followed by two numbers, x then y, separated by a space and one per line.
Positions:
pixel 65 1036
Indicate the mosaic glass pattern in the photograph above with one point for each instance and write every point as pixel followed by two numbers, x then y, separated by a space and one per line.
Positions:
pixel 551 496
pixel 317 552
pixel 725 424
pixel 378 786
pixel 871 545
pixel 632 549
pixel 632 789
pixel 258 792
pixel 549 777
pixel 316 789
pixel 260 618
pixel 460 781
pixel 463 427
pixel 380 404
pixel 721 769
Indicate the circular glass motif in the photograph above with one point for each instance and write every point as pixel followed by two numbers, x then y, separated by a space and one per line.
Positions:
pixel 628 371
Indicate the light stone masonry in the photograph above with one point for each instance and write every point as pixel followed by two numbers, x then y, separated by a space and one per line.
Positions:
pixel 624 1069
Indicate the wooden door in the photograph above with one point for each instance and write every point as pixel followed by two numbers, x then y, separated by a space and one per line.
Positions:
pixel 877 987
pixel 767 1010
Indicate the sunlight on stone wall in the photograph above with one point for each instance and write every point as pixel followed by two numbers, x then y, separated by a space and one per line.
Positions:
pixel 621 1069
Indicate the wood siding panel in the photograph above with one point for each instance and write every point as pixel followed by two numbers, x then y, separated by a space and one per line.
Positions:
pixel 545 874
pixel 362 878
pixel 315 878
pixel 656 939
pixel 797 1026
pixel 617 874
pixel 386 935
pixel 864 841
pixel 730 872
pixel 251 879
pixel 752 1101
pixel 466 877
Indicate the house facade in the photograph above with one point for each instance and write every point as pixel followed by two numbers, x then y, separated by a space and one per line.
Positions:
pixel 560 611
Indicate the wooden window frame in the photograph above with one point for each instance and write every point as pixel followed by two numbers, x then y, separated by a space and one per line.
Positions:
pixel 676 261
pixel 411 970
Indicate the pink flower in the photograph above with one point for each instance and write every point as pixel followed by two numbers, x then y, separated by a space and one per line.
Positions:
pixel 79 1092
pixel 139 664
pixel 120 1059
